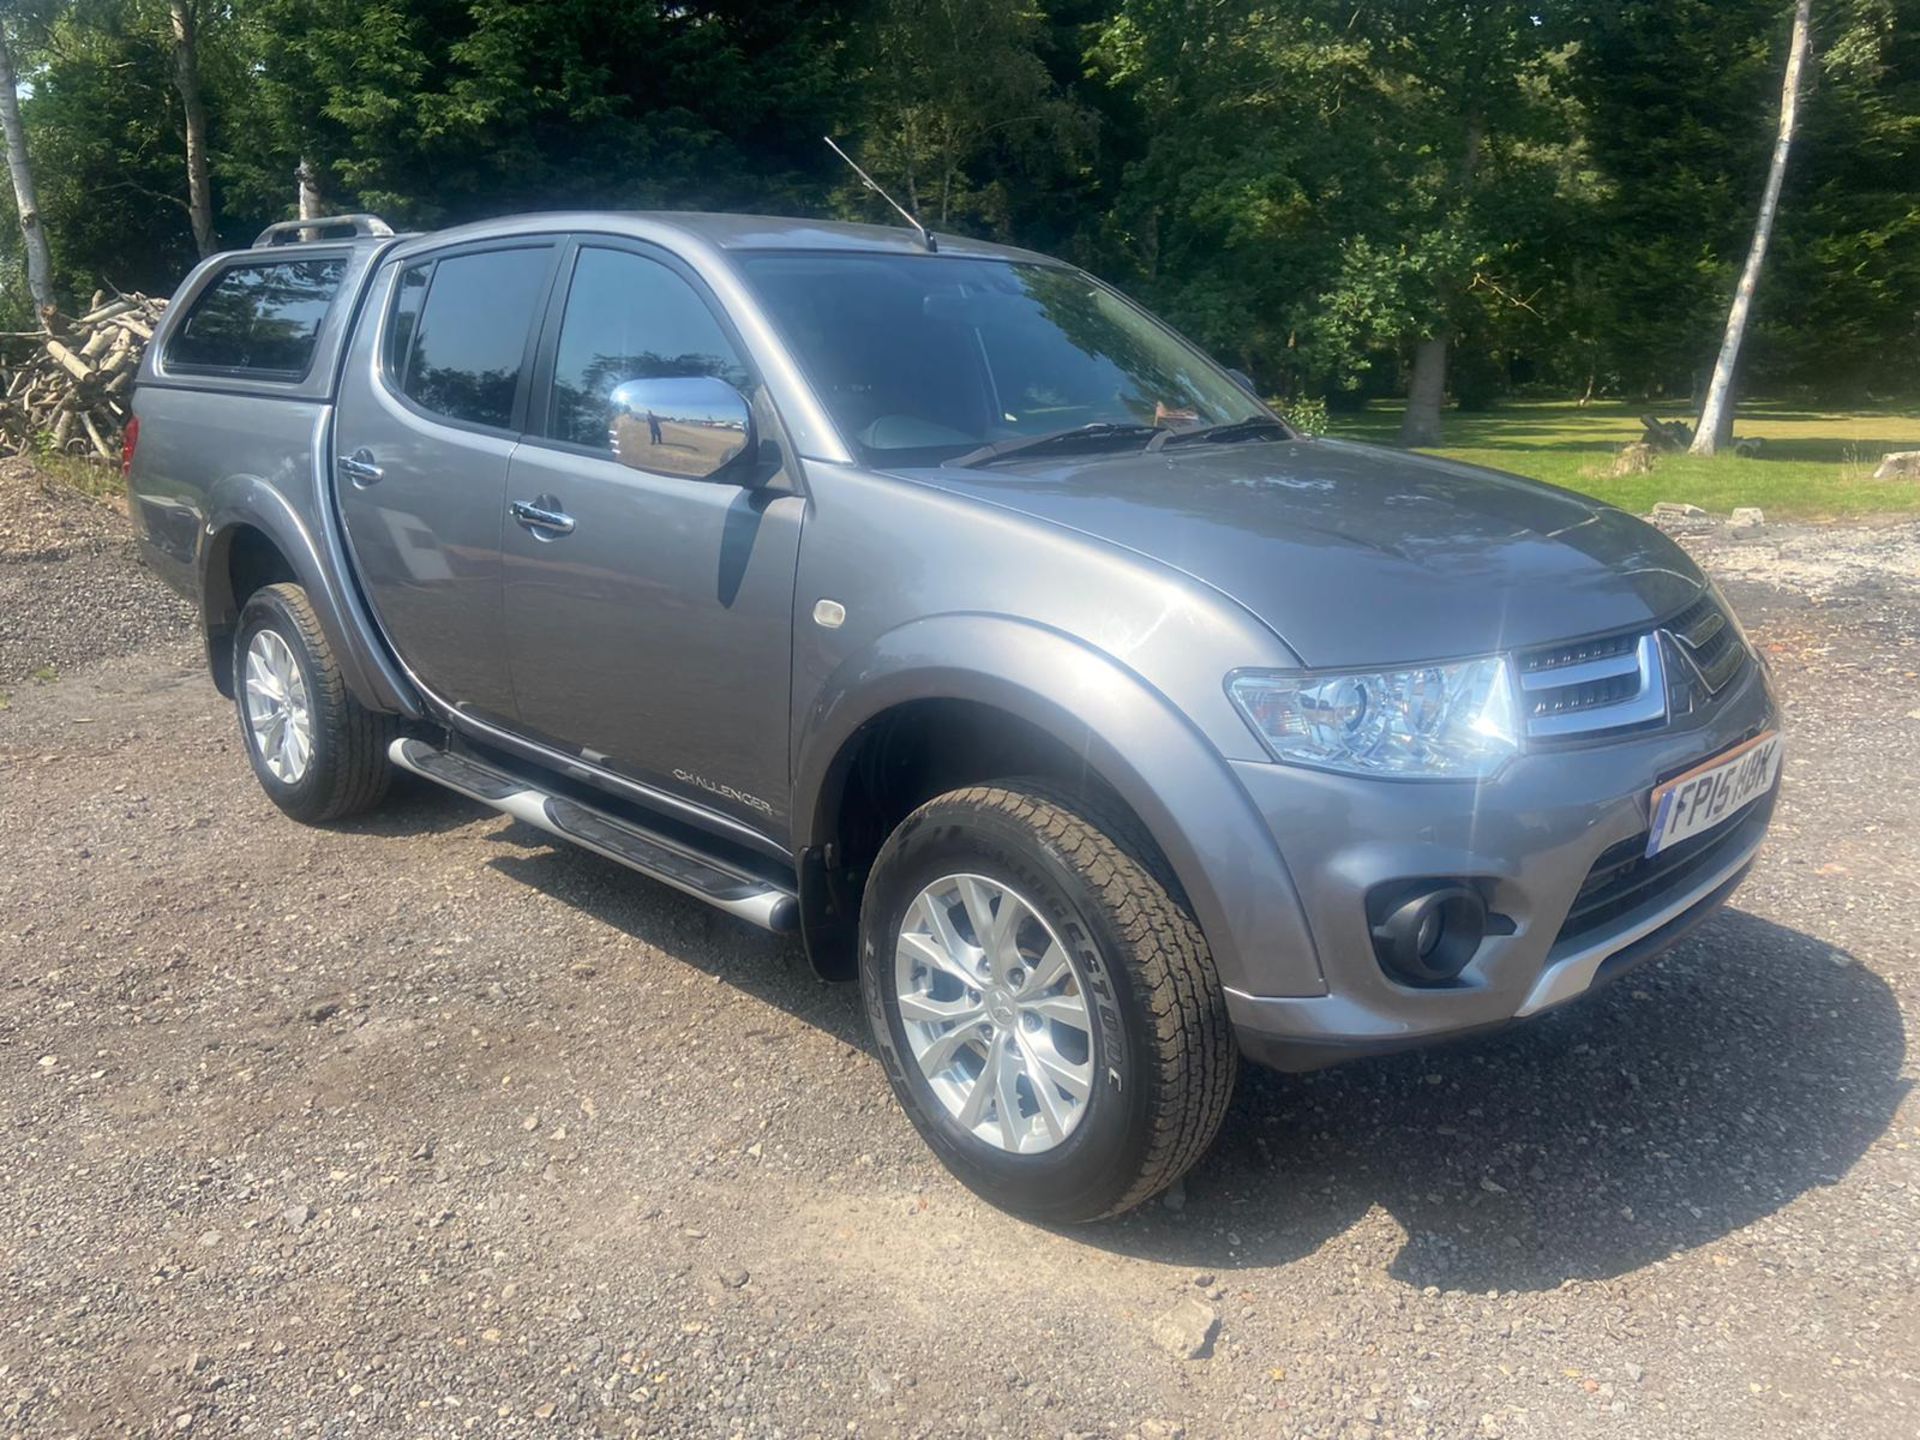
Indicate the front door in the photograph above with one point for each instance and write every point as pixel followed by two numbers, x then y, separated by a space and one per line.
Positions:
pixel 431 408
pixel 651 637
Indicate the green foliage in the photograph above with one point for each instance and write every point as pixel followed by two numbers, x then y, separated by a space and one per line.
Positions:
pixel 1308 187
pixel 1308 414
pixel 960 114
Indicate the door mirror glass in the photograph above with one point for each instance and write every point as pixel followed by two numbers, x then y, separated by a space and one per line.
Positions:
pixel 691 427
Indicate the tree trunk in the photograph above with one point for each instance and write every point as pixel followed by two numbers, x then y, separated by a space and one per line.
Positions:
pixel 309 191
pixel 186 79
pixel 39 263
pixel 307 196
pixel 1427 386
pixel 1716 417
pixel 1426 390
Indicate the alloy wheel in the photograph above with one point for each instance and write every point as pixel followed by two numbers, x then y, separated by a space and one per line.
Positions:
pixel 278 712
pixel 995 1013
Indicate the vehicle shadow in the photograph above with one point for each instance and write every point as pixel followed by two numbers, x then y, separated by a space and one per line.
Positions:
pixel 772 968
pixel 416 807
pixel 1695 1096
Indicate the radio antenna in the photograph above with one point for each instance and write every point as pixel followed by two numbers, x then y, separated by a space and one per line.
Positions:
pixel 926 235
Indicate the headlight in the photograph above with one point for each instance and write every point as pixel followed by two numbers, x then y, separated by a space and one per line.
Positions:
pixel 1433 722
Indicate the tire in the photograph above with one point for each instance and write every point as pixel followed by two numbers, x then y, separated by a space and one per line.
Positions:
pixel 1163 1060
pixel 346 771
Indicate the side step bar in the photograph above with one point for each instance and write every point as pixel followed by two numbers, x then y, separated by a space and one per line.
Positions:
pixel 748 896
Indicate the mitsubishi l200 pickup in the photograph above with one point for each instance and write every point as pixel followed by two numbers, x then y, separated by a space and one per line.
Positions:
pixel 929 599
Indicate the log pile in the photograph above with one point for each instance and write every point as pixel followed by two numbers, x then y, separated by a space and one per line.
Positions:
pixel 1671 436
pixel 69 391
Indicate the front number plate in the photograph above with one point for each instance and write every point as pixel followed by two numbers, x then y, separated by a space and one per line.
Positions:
pixel 1690 804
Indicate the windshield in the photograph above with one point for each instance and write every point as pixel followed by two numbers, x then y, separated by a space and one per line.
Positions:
pixel 922 358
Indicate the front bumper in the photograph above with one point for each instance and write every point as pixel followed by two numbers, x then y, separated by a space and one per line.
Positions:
pixel 1529 841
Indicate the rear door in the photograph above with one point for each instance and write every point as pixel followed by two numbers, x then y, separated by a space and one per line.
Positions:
pixel 654 637
pixel 431 407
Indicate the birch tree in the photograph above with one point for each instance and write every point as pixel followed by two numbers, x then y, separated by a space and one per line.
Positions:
pixel 1716 419
pixel 20 169
pixel 186 79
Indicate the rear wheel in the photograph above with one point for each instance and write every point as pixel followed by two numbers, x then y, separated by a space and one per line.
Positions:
pixel 317 752
pixel 1047 1010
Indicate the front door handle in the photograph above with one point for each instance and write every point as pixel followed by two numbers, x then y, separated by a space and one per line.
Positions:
pixel 542 514
pixel 359 467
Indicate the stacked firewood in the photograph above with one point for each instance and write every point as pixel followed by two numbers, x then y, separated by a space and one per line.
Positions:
pixel 69 391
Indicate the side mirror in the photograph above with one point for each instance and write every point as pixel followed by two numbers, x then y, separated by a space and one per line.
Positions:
pixel 691 428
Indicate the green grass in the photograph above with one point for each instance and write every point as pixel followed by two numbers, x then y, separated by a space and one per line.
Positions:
pixel 1814 464
pixel 88 476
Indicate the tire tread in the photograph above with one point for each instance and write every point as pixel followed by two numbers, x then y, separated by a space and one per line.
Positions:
pixel 1192 1059
pixel 354 737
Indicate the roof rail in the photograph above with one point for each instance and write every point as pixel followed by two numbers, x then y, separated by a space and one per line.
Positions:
pixel 292 232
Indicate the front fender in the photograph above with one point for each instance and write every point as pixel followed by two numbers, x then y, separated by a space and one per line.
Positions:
pixel 1129 733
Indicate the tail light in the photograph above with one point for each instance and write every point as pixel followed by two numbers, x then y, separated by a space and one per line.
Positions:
pixel 128 444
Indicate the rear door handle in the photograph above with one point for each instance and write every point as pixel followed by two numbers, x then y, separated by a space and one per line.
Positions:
pixel 542 514
pixel 359 467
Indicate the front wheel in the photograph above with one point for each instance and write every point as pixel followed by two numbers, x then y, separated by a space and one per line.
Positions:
pixel 317 752
pixel 1047 1010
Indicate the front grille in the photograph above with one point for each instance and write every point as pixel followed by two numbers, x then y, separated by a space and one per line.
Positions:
pixel 1631 679
pixel 1707 638
pixel 1593 687
pixel 1625 878
pixel 1563 699
pixel 1559 657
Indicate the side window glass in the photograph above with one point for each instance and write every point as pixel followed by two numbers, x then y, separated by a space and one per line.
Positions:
pixel 405 320
pixel 629 318
pixel 259 319
pixel 467 344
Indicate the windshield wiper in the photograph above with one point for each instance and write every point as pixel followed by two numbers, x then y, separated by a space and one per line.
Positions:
pixel 1257 428
pixel 1100 431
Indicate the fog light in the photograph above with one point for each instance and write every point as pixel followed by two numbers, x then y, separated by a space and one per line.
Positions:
pixel 1429 934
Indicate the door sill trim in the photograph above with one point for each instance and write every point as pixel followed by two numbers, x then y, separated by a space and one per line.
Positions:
pixel 632 790
pixel 704 877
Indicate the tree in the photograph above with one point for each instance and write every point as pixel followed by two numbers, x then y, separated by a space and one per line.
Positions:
pixel 1843 302
pixel 1347 198
pixel 435 111
pixel 1474 91
pixel 186 78
pixel 20 169
pixel 1716 418
pixel 959 110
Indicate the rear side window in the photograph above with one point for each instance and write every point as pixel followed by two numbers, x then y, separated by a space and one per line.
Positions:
pixel 462 354
pixel 259 319
pixel 405 319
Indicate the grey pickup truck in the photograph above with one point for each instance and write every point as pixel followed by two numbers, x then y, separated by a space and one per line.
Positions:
pixel 929 599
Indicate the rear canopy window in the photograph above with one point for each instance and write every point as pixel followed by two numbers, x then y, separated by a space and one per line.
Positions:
pixel 259 319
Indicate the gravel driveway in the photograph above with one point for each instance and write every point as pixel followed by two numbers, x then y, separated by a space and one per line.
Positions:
pixel 423 1127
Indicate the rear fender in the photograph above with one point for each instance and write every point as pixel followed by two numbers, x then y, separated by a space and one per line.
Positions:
pixel 238 501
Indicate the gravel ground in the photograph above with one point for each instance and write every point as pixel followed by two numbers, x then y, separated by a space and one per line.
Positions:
pixel 423 1127
pixel 71 590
